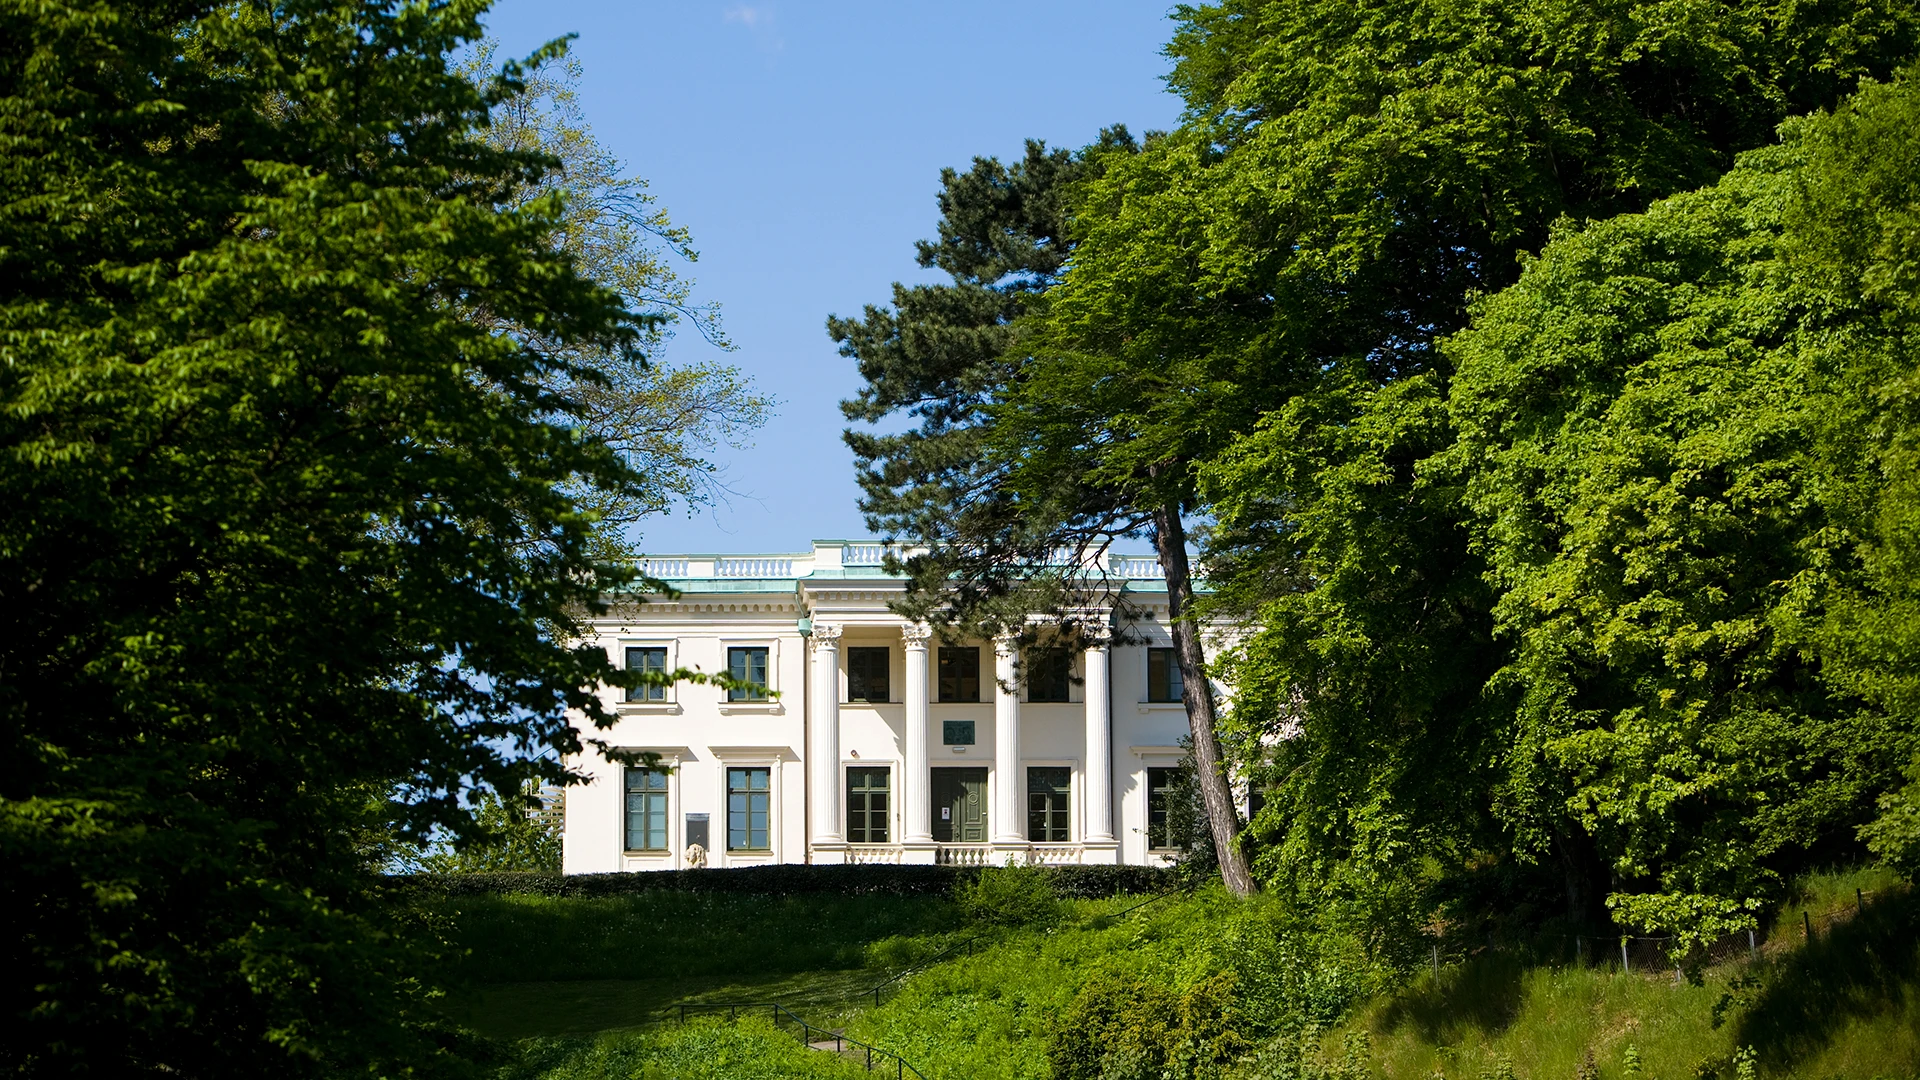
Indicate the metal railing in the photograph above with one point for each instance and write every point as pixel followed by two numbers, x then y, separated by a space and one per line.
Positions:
pixel 964 943
pixel 842 1044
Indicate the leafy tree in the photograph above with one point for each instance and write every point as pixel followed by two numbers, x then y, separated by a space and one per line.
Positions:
pixel 1348 178
pixel 1683 456
pixel 508 838
pixel 664 418
pixel 286 524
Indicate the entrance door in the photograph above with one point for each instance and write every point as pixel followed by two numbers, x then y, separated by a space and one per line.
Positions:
pixel 960 806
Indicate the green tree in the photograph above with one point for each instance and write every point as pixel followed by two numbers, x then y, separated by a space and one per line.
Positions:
pixel 666 419
pixel 510 835
pixel 285 522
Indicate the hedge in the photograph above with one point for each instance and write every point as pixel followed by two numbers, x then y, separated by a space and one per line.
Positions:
pixel 1075 882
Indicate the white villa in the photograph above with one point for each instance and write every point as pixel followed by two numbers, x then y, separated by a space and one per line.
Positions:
pixel 878 742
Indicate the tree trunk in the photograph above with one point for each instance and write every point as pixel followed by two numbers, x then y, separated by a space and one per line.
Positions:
pixel 1170 538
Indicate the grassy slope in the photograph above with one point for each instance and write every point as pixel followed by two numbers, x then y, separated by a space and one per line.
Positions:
pixel 1848 1006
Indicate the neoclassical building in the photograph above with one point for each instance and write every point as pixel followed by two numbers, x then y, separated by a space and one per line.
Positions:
pixel 876 742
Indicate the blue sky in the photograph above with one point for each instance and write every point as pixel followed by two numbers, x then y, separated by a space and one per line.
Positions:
pixel 802 142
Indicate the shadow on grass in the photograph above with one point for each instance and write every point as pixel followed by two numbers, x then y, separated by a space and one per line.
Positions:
pixel 519 1010
pixel 1483 995
pixel 1859 970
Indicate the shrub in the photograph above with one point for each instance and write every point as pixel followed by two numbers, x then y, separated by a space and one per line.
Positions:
pixel 1123 1027
pixel 1070 882
pixel 1010 896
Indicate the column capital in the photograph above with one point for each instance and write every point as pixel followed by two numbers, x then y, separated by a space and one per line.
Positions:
pixel 916 635
pixel 826 635
pixel 1006 644
pixel 1096 637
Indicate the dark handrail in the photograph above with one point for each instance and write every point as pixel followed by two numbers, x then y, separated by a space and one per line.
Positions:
pixel 840 1041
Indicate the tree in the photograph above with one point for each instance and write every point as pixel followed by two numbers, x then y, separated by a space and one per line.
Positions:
pixel 665 419
pixel 512 837
pixel 286 525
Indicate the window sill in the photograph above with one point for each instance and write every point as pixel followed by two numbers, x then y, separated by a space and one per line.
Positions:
pixel 863 701
pixel 645 708
pixel 751 707
pixel 661 853
pixel 758 853
pixel 1162 706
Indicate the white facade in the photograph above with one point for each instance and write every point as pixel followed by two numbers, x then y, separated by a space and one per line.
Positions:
pixel 825 771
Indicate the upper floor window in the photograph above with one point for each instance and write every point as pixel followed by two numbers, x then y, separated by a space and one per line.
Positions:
pixel 959 673
pixel 653 659
pixel 748 664
pixel 867 670
pixel 1163 675
pixel 1048 673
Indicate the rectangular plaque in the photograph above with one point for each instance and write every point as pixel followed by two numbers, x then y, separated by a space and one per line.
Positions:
pixel 956 732
pixel 697 831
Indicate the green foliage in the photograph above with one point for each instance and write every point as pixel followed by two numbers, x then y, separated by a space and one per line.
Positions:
pixel 286 525
pixel 1009 896
pixel 701 1051
pixel 506 839
pixel 787 879
pixel 1128 1028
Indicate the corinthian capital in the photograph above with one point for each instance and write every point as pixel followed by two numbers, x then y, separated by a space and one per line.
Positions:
pixel 826 635
pixel 916 635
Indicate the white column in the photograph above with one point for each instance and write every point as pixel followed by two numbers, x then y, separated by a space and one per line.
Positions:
pixel 1099 769
pixel 826 734
pixel 1009 780
pixel 915 796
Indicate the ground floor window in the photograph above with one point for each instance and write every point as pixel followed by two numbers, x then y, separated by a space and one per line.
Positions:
pixel 1162 785
pixel 749 802
pixel 646 810
pixel 867 804
pixel 1048 789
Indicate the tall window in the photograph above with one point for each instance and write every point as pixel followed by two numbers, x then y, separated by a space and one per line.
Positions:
pixel 867 806
pixel 1047 796
pixel 959 673
pixel 1163 675
pixel 749 665
pixel 867 670
pixel 647 659
pixel 1048 674
pixel 1162 788
pixel 646 810
pixel 747 810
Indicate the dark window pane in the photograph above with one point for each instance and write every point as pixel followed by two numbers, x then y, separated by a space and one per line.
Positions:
pixel 1048 793
pixel 959 673
pixel 749 664
pixel 956 732
pixel 1163 675
pixel 867 791
pixel 647 659
pixel 1047 674
pixel 867 671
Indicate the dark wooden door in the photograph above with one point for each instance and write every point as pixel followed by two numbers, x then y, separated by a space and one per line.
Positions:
pixel 960 806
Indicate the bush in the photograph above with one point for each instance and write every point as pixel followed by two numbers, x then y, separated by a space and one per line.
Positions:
pixel 1010 896
pixel 1068 882
pixel 1123 1027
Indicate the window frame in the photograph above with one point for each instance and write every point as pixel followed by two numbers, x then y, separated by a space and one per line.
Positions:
pixel 665 793
pixel 1064 671
pixel 886 675
pixel 1059 805
pixel 747 697
pixel 959 681
pixel 651 695
pixel 765 791
pixel 867 814
pixel 1165 793
pixel 1173 682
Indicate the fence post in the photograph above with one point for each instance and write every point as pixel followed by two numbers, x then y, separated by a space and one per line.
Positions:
pixel 1808 920
pixel 1436 963
pixel 1859 902
pixel 1753 948
pixel 1626 966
